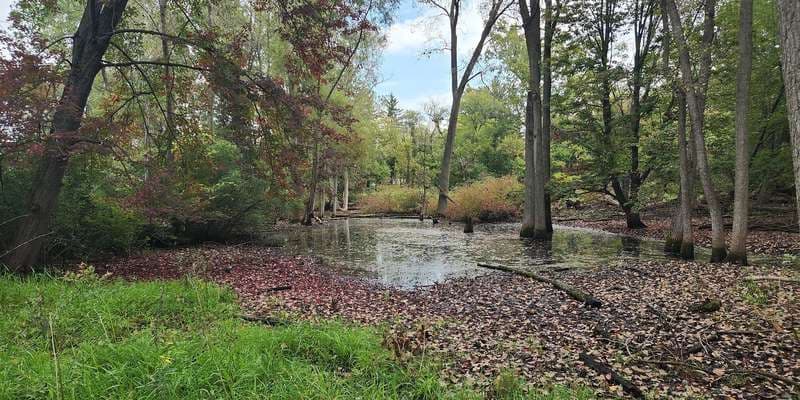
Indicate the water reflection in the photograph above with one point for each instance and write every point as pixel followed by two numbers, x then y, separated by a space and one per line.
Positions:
pixel 409 253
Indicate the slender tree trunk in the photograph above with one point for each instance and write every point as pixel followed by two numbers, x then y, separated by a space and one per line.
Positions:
pixel 457 87
pixel 321 203
pixel 696 108
pixel 346 190
pixel 334 195
pixel 88 47
pixel 789 12
pixel 686 244
pixel 738 251
pixel 308 217
pixel 169 83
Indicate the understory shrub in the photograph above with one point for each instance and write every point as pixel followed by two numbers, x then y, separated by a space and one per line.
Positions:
pixel 392 199
pixel 489 200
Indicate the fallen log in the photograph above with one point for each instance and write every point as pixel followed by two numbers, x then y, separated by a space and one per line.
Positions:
pixel 572 291
pixel 278 289
pixel 605 369
pixel 771 278
pixel 271 321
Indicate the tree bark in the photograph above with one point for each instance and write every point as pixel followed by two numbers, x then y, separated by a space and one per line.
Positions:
pixel 551 17
pixel 686 244
pixel 334 195
pixel 89 45
pixel 534 219
pixel 696 102
pixel 346 190
pixel 789 12
pixel 738 251
pixel 169 83
pixel 457 86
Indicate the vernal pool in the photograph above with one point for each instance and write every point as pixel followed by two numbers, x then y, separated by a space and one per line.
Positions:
pixel 408 253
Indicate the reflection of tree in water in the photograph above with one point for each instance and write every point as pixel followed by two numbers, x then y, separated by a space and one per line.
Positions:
pixel 631 246
pixel 541 251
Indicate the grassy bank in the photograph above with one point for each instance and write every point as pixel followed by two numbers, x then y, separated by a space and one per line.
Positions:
pixel 83 337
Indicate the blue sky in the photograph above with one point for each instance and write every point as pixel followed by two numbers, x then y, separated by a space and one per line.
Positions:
pixel 406 70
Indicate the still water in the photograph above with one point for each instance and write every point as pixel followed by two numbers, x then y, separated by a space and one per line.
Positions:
pixel 407 253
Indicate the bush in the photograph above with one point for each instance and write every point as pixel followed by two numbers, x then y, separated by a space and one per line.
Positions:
pixel 393 199
pixel 489 200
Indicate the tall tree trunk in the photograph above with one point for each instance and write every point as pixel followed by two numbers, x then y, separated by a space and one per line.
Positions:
pixel 686 244
pixel 321 203
pixel 346 190
pixel 644 32
pixel 334 195
pixel 696 104
pixel 789 12
pixel 551 17
pixel 534 219
pixel 88 47
pixel 738 251
pixel 308 217
pixel 169 83
pixel 457 86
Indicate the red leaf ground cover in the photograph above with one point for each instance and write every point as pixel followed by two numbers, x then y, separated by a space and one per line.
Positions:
pixel 480 326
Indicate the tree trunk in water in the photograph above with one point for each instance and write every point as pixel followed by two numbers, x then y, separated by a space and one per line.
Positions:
pixel 346 190
pixel 321 203
pixel 738 251
pixel 334 195
pixel 534 220
pixel 789 12
pixel 308 218
pixel 444 173
pixel 88 47
pixel 550 23
pixel 696 109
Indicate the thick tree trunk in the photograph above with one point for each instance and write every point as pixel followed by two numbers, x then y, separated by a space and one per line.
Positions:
pixel 534 219
pixel 444 174
pixel 551 17
pixel 696 104
pixel 738 251
pixel 789 12
pixel 89 45
pixel 346 190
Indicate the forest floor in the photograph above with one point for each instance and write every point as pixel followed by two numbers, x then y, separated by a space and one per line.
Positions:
pixel 645 331
pixel 773 229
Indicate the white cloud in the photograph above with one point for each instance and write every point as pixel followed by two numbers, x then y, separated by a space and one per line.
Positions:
pixel 431 30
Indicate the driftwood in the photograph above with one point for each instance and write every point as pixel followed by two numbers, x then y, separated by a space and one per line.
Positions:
pixel 771 278
pixel 605 369
pixel 572 291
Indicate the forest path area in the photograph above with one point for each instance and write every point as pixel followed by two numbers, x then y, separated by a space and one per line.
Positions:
pixel 645 331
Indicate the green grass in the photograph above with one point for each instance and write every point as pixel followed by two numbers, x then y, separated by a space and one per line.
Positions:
pixel 85 338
